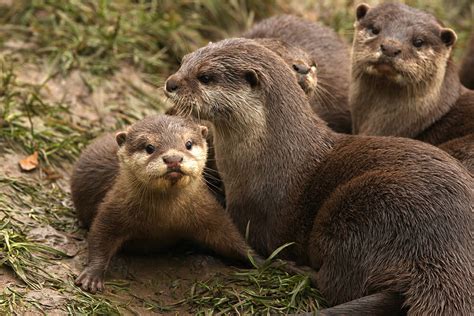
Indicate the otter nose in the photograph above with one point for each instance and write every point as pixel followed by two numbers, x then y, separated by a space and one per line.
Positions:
pixel 390 50
pixel 171 84
pixel 301 69
pixel 173 161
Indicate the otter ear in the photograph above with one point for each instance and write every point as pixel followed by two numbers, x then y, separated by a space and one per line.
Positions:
pixel 448 37
pixel 121 137
pixel 204 131
pixel 362 10
pixel 251 77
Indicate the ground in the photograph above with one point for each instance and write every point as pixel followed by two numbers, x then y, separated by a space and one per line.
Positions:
pixel 71 70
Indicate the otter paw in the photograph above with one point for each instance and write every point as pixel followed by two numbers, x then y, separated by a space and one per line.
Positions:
pixel 90 280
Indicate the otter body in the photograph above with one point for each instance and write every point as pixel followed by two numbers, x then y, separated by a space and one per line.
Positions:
pixel 370 214
pixel 143 189
pixel 466 73
pixel 328 52
pixel 404 82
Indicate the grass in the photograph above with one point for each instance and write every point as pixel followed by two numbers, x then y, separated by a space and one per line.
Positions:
pixel 98 35
pixel 73 69
pixel 265 290
pixel 30 123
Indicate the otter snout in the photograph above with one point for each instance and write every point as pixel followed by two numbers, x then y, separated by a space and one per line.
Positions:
pixel 173 161
pixel 390 49
pixel 171 84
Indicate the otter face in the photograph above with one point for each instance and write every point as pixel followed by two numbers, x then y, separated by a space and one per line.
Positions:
pixel 163 151
pixel 400 43
pixel 301 62
pixel 218 83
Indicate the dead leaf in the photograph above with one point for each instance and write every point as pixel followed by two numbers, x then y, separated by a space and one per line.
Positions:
pixel 29 163
pixel 52 174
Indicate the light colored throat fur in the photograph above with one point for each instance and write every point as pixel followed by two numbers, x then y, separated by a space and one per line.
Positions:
pixel 402 111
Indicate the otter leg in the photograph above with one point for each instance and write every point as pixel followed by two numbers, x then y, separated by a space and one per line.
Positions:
pixel 104 240
pixel 218 232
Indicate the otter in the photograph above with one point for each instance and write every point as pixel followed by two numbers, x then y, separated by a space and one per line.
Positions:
pixel 376 217
pixel 142 189
pixel 304 70
pixel 466 73
pixel 330 55
pixel 404 82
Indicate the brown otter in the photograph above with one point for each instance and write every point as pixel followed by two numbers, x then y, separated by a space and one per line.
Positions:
pixel 328 52
pixel 404 82
pixel 143 188
pixel 371 214
pixel 466 73
pixel 305 73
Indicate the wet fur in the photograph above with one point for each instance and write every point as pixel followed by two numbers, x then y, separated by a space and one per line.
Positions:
pixel 370 214
pixel 424 99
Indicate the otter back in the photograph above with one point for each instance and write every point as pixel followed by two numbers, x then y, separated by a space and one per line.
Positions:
pixel 370 214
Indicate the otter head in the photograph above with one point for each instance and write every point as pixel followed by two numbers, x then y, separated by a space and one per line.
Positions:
pixel 301 62
pixel 401 44
pixel 163 151
pixel 233 81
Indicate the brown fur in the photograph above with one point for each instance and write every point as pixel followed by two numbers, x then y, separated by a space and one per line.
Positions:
pixel 331 56
pixel 415 93
pixel 370 214
pixel 466 72
pixel 130 202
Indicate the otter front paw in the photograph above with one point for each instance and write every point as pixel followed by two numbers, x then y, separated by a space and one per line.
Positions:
pixel 90 280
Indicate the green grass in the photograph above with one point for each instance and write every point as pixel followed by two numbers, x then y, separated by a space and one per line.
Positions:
pixel 30 123
pixel 98 35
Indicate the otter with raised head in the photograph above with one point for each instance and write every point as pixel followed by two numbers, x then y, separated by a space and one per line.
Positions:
pixel 466 72
pixel 330 55
pixel 143 189
pixel 306 76
pixel 404 82
pixel 377 217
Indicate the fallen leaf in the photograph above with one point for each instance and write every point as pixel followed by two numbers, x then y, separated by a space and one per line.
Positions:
pixel 29 163
pixel 52 174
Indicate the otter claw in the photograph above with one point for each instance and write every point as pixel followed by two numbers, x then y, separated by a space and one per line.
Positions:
pixel 90 281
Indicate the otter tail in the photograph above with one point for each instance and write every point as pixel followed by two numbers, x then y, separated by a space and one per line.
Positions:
pixel 379 304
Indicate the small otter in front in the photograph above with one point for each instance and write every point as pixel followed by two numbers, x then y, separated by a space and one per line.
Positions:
pixel 327 51
pixel 143 189
pixel 376 217
pixel 404 82
pixel 466 71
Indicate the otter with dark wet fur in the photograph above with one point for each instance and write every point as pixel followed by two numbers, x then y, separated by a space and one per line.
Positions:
pixel 376 217
pixel 328 52
pixel 404 82
pixel 142 189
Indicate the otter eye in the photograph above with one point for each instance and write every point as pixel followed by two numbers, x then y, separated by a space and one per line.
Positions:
pixel 418 42
pixel 150 149
pixel 205 79
pixel 373 30
pixel 189 145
